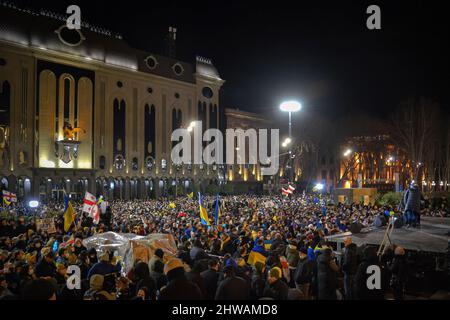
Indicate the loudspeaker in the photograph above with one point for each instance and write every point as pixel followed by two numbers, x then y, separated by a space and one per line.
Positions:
pixel 355 227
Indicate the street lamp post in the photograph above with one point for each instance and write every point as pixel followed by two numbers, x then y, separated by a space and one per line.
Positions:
pixel 290 107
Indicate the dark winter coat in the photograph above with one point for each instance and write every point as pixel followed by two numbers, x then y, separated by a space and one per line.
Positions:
pixel 326 276
pixel 257 286
pixel 304 272
pixel 292 256
pixel 277 290
pixel 411 199
pixel 180 288
pixel 350 259
pixel 360 289
pixel 233 288
pixel 45 269
pixel 210 280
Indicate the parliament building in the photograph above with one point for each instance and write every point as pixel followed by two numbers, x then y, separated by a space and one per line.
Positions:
pixel 81 110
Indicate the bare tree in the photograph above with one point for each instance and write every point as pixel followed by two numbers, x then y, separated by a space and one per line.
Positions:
pixel 413 129
pixel 447 159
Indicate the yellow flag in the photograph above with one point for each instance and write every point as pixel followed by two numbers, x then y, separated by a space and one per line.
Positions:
pixel 171 205
pixel 190 195
pixel 274 218
pixel 69 216
pixel 6 201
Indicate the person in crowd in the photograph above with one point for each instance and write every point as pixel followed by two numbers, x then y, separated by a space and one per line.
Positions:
pixel 256 235
pixel 178 286
pixel 399 273
pixel 103 267
pixel 349 266
pixel 327 272
pixel 4 291
pixel 276 288
pixel 197 252
pixel 158 275
pixel 258 281
pixel 96 290
pixel 46 268
pixel 410 203
pixel 123 289
pixel 142 278
pixel 157 260
pixel 292 256
pixel 360 289
pixel 232 287
pixel 304 273
pixel 39 289
pixel 211 278
pixel 194 275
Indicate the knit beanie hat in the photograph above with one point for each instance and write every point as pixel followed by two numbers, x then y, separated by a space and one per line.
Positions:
pixel 275 273
pixel 173 264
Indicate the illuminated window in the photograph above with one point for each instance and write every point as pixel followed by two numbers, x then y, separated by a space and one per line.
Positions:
pixel 134 164
pixel 119 162
pixel 149 163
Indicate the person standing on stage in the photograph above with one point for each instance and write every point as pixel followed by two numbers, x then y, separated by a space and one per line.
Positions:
pixel 410 203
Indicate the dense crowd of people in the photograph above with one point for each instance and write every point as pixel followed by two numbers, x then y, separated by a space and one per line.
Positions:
pixel 217 261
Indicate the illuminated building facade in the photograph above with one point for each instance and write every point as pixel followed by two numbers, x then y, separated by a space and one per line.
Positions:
pixel 125 103
pixel 247 176
pixel 373 162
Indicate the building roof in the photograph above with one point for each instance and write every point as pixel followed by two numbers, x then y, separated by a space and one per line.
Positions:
pixel 246 116
pixel 47 30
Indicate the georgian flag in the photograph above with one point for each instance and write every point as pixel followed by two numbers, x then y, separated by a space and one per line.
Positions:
pixel 90 206
pixel 287 191
pixel 9 196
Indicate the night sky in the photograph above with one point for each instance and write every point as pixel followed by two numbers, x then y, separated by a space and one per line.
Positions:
pixel 319 52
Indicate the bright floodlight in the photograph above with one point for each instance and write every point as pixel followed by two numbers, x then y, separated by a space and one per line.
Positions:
pixel 290 106
pixel 33 204
pixel 284 144
pixel 347 152
pixel 190 128
pixel 319 186
pixel 192 124
pixel 287 140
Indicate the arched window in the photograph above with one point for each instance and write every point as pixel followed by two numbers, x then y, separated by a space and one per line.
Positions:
pixel 5 103
pixel 67 99
pixel 4 183
pixel 119 128
pixel 102 162
pixel 213 116
pixel 149 131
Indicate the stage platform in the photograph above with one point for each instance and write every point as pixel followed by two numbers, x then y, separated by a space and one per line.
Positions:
pixel 432 236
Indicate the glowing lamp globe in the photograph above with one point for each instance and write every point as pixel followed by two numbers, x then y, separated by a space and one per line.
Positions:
pixel 290 106
pixel 33 204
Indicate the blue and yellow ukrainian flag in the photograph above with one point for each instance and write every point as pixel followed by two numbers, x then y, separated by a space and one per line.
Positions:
pixel 218 211
pixel 69 213
pixel 257 254
pixel 203 214
pixel 6 202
